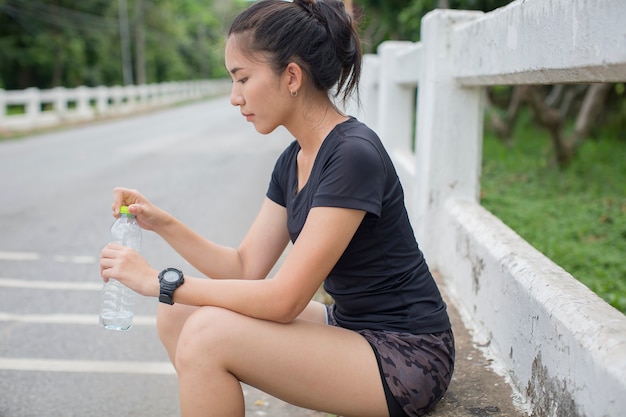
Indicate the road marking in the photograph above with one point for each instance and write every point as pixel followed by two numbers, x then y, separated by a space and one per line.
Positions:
pixel 51 285
pixel 90 319
pixel 19 256
pixel 107 367
pixel 33 256
pixel 75 259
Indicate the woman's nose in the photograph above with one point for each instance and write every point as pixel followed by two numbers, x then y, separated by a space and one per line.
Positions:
pixel 236 98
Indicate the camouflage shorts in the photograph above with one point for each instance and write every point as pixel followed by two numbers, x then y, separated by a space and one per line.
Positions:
pixel 416 369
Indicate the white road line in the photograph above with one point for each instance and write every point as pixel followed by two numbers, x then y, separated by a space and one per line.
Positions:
pixel 107 367
pixel 33 256
pixel 52 285
pixel 75 259
pixel 90 319
pixel 19 256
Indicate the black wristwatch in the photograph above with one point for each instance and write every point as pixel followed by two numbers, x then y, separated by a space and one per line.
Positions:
pixel 170 279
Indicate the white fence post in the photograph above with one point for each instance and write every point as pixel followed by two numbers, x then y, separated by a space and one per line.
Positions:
pixel 396 102
pixel 102 100
pixel 449 133
pixel 60 101
pixel 368 90
pixel 32 109
pixel 83 111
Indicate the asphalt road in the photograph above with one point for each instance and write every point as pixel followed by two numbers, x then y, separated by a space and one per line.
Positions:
pixel 202 162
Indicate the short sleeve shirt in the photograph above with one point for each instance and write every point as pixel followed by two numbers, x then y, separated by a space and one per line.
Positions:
pixel 381 281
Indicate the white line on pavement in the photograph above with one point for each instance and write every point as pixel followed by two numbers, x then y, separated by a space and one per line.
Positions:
pixel 109 367
pixel 51 285
pixel 90 319
pixel 75 259
pixel 19 256
pixel 33 256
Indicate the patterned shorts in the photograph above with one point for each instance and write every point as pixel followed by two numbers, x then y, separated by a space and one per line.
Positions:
pixel 416 369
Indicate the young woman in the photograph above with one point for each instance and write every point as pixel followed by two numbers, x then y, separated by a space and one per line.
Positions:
pixel 385 347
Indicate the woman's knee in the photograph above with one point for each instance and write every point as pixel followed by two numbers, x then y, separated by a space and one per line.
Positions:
pixel 206 335
pixel 170 321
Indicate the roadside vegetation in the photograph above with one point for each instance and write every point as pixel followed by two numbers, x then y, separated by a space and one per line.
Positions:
pixel 575 216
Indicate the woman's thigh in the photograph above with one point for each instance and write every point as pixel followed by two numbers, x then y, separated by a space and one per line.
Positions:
pixel 171 318
pixel 306 363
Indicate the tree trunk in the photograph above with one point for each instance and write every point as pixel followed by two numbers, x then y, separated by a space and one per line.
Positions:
pixel 140 45
pixel 553 119
pixel 590 110
pixel 503 126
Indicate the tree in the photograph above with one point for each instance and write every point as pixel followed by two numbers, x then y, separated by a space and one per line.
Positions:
pixel 47 43
pixel 401 19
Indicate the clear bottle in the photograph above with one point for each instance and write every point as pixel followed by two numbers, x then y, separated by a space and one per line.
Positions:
pixel 116 312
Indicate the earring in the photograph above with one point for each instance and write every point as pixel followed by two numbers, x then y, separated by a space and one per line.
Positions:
pixel 294 93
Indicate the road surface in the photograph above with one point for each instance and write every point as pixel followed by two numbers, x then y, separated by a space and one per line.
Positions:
pixel 202 162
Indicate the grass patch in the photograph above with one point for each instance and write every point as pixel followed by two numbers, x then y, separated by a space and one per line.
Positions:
pixel 576 217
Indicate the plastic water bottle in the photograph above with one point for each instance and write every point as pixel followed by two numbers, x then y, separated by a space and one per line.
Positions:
pixel 116 312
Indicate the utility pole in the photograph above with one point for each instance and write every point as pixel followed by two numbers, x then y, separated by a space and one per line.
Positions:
pixel 127 65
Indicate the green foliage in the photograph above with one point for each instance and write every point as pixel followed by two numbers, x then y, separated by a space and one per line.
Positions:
pixel 576 217
pixel 45 43
pixel 384 20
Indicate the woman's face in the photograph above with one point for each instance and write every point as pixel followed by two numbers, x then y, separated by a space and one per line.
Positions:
pixel 261 94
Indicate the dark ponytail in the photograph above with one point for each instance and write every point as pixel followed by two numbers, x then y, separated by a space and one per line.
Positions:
pixel 319 35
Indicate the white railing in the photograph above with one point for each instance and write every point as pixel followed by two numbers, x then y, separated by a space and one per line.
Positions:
pixel 562 348
pixel 45 108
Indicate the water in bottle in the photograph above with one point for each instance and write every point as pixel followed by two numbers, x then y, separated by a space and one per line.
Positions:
pixel 116 312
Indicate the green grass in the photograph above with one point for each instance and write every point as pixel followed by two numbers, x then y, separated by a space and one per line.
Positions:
pixel 576 216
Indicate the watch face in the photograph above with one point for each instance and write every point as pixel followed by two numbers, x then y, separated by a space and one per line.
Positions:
pixel 171 276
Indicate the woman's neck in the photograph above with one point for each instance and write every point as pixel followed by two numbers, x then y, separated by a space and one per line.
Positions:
pixel 313 123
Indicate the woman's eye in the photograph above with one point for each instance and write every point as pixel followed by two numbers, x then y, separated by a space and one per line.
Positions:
pixel 242 81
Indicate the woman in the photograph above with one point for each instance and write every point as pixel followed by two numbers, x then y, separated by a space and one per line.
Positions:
pixel 385 347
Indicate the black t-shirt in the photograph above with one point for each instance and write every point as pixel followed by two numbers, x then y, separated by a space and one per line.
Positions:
pixel 381 281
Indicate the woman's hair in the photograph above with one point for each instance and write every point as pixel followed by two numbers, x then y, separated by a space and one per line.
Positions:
pixel 319 35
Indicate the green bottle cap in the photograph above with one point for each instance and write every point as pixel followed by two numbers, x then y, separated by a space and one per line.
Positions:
pixel 124 210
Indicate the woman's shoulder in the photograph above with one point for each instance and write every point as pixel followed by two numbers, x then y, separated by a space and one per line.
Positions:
pixel 355 127
pixel 355 136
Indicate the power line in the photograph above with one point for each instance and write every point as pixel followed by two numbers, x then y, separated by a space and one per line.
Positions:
pixel 29 13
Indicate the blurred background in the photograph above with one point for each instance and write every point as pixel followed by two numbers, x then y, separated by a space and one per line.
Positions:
pixel 553 154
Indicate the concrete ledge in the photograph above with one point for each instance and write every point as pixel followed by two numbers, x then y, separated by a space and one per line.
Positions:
pixel 561 346
pixel 476 389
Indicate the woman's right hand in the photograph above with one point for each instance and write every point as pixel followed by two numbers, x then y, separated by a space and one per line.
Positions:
pixel 149 216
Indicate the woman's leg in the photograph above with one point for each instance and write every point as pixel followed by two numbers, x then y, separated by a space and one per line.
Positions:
pixel 305 363
pixel 170 321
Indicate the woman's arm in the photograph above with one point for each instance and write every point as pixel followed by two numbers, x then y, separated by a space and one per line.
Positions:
pixel 325 236
pixel 263 244
pixel 253 259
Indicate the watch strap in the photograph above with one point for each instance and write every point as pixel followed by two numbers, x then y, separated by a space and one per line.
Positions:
pixel 167 288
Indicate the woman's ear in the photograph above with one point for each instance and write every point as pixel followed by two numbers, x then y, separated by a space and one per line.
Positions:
pixel 294 75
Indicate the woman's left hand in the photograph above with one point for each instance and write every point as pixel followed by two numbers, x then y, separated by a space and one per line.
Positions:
pixel 130 268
